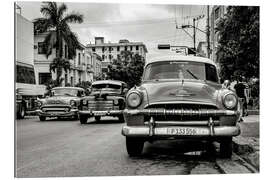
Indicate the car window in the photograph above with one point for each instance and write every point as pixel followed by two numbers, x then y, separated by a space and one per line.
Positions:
pixel 66 92
pixel 180 70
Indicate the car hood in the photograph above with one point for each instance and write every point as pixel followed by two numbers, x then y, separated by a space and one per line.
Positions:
pixel 59 100
pixel 188 91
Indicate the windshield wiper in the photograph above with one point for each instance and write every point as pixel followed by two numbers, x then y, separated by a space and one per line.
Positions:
pixel 193 75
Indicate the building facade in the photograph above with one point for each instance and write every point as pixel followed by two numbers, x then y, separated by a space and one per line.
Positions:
pixel 217 12
pixel 80 69
pixel 109 51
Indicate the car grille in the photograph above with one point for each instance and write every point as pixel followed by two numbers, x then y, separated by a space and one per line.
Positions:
pixel 195 108
pixel 100 105
pixel 55 109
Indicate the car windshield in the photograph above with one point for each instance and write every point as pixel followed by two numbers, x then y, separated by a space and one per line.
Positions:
pixel 106 87
pixel 65 91
pixel 180 70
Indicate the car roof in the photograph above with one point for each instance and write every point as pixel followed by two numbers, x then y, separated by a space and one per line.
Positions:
pixel 115 82
pixel 171 56
pixel 76 88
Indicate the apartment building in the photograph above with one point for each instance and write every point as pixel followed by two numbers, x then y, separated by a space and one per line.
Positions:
pixel 109 51
pixel 80 65
pixel 217 12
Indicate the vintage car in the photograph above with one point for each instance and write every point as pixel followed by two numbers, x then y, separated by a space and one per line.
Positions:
pixel 63 102
pixel 107 98
pixel 180 97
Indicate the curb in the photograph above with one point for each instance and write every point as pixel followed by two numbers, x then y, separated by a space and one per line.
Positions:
pixel 248 149
pixel 253 112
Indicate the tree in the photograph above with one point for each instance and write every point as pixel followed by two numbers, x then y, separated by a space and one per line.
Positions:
pixel 56 24
pixel 238 49
pixel 128 67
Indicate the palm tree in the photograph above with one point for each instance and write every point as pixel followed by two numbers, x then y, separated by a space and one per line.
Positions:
pixel 56 24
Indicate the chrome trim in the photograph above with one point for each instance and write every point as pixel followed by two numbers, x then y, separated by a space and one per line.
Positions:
pixel 180 103
pixel 180 112
pixel 72 112
pixel 144 131
pixel 104 113
pixel 183 123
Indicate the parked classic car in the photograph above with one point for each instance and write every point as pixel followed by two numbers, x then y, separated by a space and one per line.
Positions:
pixel 180 97
pixel 63 102
pixel 106 99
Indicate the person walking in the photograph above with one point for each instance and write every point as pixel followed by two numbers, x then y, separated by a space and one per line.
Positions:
pixel 241 91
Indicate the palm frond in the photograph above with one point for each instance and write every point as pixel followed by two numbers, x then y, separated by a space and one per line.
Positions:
pixel 42 25
pixel 49 42
pixel 49 9
pixel 73 18
pixel 62 8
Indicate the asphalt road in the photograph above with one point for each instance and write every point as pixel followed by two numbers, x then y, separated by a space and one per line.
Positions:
pixel 66 148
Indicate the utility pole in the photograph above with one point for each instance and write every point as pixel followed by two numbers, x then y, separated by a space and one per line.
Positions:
pixel 208 33
pixel 194 35
pixel 196 18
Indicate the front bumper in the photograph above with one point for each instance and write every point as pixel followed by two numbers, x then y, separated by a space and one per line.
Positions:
pixel 101 113
pixel 144 131
pixel 72 112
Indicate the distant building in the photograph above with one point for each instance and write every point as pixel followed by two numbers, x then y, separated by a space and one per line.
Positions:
pixel 217 13
pixel 202 49
pixel 80 65
pixel 109 51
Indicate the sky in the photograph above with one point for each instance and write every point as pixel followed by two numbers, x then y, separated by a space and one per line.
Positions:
pixel 151 24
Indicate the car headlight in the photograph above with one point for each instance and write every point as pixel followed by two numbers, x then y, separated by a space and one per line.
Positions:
pixel 230 101
pixel 84 101
pixel 115 102
pixel 72 103
pixel 134 99
pixel 39 103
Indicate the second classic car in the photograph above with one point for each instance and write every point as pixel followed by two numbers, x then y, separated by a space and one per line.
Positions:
pixel 63 102
pixel 106 99
pixel 180 97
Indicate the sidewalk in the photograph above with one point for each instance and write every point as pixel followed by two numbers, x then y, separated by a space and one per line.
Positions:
pixel 246 144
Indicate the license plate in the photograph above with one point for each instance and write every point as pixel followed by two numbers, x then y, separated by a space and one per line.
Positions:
pixel 99 113
pixel 181 131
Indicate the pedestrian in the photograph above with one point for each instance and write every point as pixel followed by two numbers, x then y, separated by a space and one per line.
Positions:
pixel 226 84
pixel 240 89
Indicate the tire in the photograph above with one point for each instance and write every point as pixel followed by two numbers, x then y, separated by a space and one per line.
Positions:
pixel 134 146
pixel 42 118
pixel 121 118
pixel 83 119
pixel 97 118
pixel 21 112
pixel 226 148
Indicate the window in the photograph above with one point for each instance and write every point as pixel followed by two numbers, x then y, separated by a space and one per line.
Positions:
pixel 110 56
pixel 71 81
pixel 125 48
pixel 131 48
pixel 66 79
pixel 93 49
pixel 79 58
pixel 103 57
pixel 66 51
pixel 103 49
pixel 211 73
pixel 137 48
pixel 118 48
pixel 217 13
pixel 44 78
pixel 25 74
pixel 41 48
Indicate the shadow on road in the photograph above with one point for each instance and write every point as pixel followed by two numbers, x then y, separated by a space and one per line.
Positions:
pixel 180 150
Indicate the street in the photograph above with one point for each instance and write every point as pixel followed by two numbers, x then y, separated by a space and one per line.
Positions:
pixel 67 148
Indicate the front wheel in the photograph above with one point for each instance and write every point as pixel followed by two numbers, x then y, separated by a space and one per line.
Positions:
pixel 42 118
pixel 121 118
pixel 134 146
pixel 21 112
pixel 83 119
pixel 97 118
pixel 226 148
